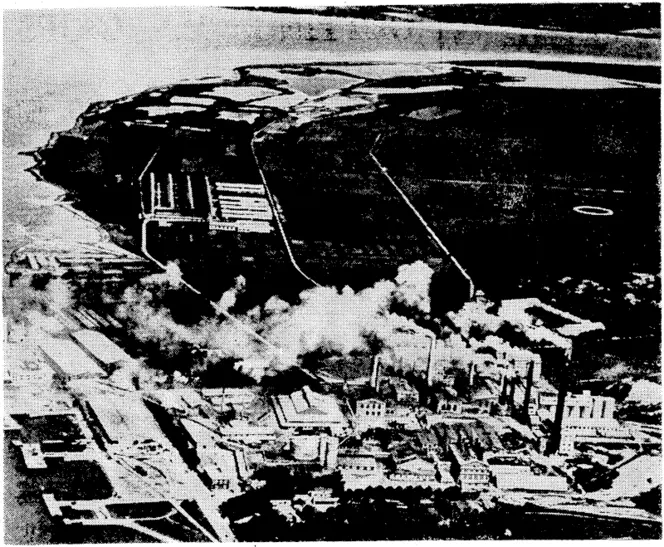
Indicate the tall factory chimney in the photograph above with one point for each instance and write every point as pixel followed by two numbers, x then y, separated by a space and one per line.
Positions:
pixel 510 395
pixel 375 373
pixel 471 374
pixel 430 371
pixel 328 450
pixel 503 387
pixel 529 390
pixel 556 433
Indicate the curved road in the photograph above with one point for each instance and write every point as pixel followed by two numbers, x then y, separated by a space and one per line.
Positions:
pixel 273 205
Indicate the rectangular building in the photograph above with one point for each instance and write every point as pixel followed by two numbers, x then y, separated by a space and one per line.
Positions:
pixel 100 346
pixel 306 409
pixel 68 360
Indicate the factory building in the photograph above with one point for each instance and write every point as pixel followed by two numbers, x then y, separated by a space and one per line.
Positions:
pixel 584 411
pixel 585 418
pixel 321 448
pixel 358 462
pixel 229 396
pixel 217 465
pixel 401 391
pixel 246 432
pixel 100 347
pixel 307 410
pixel 517 472
pixel 370 413
pixel 416 471
pixel 120 416
pixel 68 360
pixel 472 474
pixel 220 473
pixel 23 367
pixel 305 447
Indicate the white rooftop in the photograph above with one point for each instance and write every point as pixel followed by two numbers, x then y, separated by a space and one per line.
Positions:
pixel 202 436
pixel 68 358
pixel 306 408
pixel 100 347
pixel 121 414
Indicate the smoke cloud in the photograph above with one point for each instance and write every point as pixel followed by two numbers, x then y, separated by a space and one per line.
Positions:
pixel 24 296
pixel 323 318
pixel 413 284
pixel 229 298
pixel 480 326
pixel 35 307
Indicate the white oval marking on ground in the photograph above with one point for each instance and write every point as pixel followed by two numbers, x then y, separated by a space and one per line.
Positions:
pixel 593 210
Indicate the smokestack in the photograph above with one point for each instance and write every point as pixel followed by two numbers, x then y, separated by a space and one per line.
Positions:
pixel 375 373
pixel 554 440
pixel 528 394
pixel 328 450
pixel 510 396
pixel 503 387
pixel 430 370
pixel 471 374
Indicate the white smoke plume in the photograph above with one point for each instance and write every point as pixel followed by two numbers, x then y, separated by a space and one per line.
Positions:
pixel 172 276
pixel 338 321
pixel 229 298
pixel 134 374
pixel 475 313
pixel 153 322
pixel 324 317
pixel 413 285
pixel 22 298
pixel 31 309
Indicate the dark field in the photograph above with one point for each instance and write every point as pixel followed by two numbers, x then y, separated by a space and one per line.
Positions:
pixel 498 173
pixel 498 177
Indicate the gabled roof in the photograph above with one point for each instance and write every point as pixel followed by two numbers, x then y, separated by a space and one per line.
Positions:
pixel 100 346
pixel 417 466
pixel 68 358
pixel 308 408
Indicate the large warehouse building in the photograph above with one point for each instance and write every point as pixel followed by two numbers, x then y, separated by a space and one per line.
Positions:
pixel 68 360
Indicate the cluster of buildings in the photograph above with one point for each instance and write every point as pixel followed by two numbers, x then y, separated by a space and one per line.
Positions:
pixel 64 404
pixel 192 197
pixel 57 259
pixel 493 359
pixel 467 410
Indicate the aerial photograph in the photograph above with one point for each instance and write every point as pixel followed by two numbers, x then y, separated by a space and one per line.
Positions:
pixel 332 273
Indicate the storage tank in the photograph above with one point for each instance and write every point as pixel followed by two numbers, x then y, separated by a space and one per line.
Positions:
pixel 305 447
